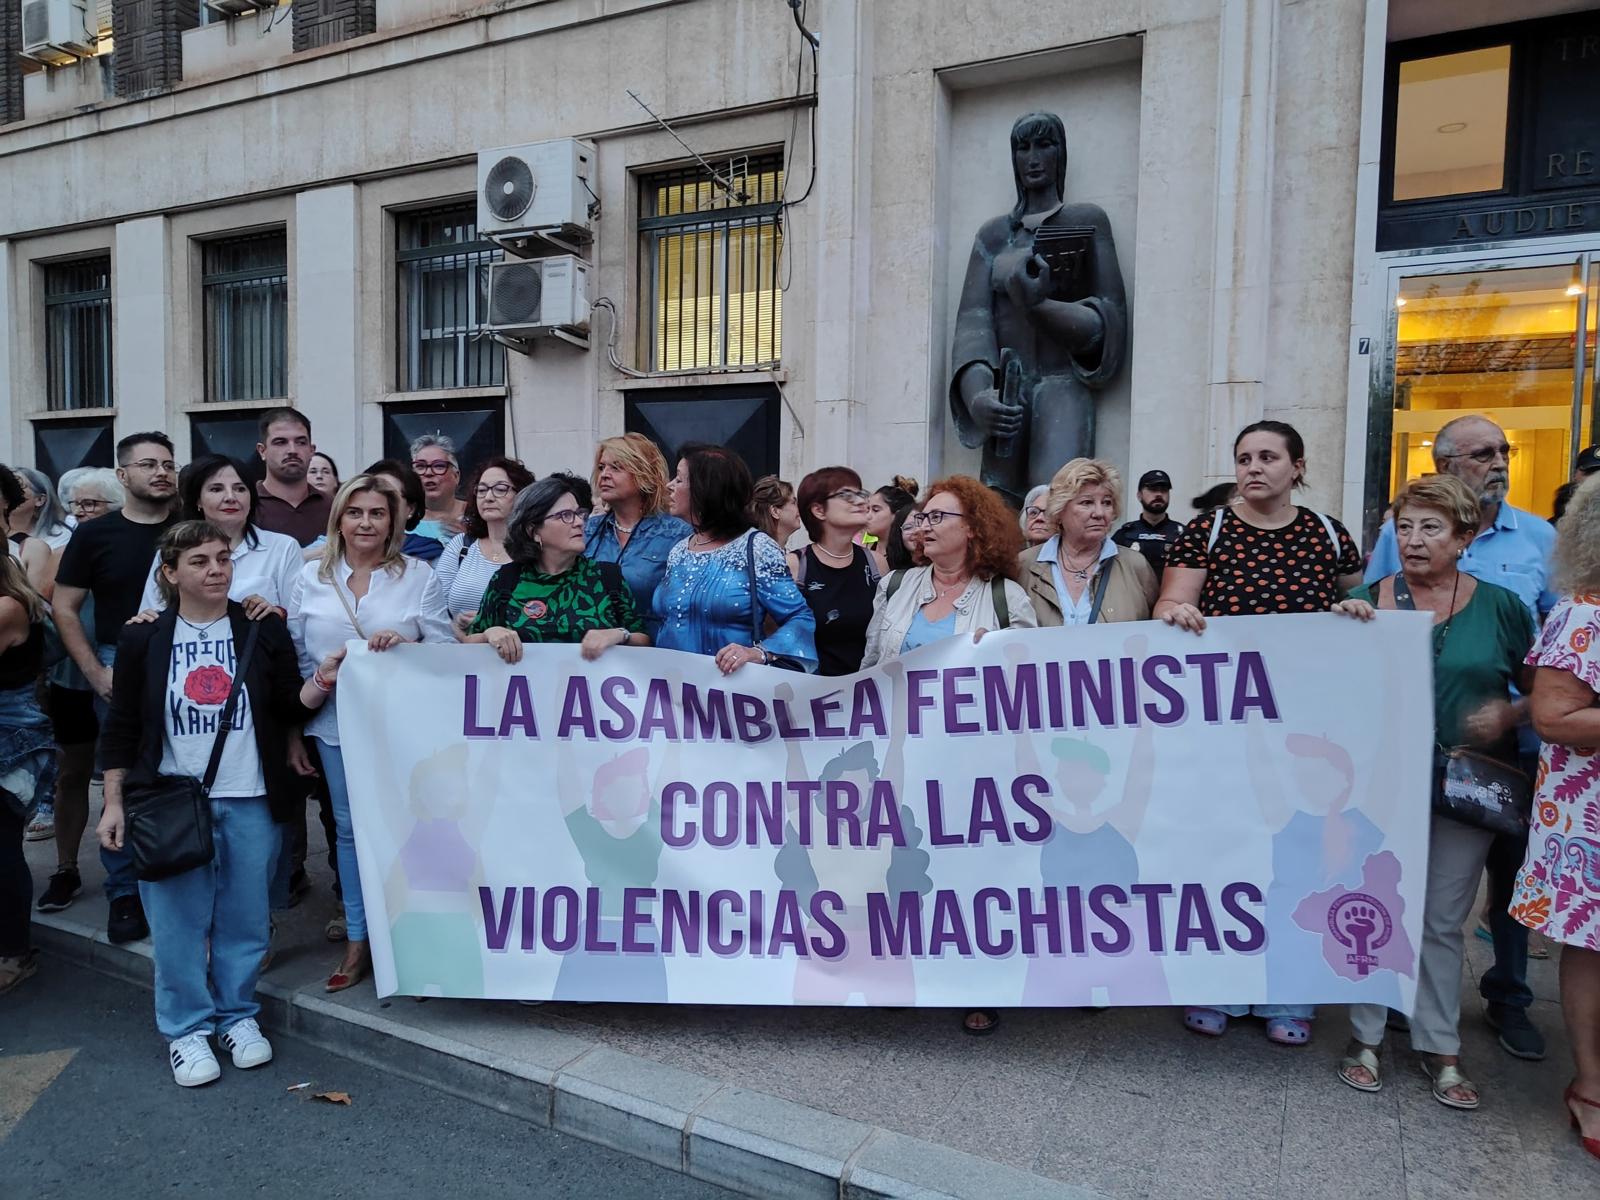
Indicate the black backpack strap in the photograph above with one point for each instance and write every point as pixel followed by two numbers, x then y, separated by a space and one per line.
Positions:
pixel 896 578
pixel 1002 607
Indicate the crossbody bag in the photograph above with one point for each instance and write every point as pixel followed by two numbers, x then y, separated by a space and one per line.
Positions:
pixel 168 827
pixel 1468 785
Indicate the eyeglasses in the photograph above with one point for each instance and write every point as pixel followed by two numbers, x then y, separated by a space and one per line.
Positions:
pixel 1033 512
pixel 567 516
pixel 1487 455
pixel 433 468
pixel 935 517
pixel 494 489
pixel 854 495
pixel 88 506
pixel 153 464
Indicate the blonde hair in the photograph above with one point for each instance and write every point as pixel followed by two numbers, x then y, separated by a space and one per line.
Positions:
pixel 641 458
pixel 393 561
pixel 14 583
pixel 1442 493
pixel 770 494
pixel 1074 477
pixel 1577 556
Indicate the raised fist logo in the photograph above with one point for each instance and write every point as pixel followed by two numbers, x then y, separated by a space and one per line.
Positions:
pixel 1359 922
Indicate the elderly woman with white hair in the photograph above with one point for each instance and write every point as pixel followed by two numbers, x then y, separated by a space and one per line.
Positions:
pixel 1034 518
pixel 1078 575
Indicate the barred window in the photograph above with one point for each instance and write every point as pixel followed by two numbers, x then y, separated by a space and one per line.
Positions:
pixel 245 282
pixel 77 334
pixel 711 258
pixel 443 293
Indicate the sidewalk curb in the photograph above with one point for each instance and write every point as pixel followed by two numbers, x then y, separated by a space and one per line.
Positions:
pixel 740 1139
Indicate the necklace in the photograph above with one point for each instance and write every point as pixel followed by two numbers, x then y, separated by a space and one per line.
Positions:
pixel 496 552
pixel 702 540
pixel 821 549
pixel 203 630
pixel 941 590
pixel 1077 572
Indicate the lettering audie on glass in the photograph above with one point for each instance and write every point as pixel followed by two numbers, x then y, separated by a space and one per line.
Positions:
pixel 1032 697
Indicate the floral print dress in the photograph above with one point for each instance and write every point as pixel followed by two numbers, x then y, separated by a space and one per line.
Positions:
pixel 1558 889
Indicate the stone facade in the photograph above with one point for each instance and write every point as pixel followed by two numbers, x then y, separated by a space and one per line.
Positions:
pixel 1231 197
pixel 148 35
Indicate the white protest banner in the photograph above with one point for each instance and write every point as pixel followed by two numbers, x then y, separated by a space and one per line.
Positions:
pixel 1105 815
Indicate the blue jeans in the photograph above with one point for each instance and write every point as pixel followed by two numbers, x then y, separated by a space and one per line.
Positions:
pixel 355 912
pixel 1303 1012
pixel 224 902
pixel 120 879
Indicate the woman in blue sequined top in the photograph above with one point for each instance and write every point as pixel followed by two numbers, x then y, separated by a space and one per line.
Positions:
pixel 704 603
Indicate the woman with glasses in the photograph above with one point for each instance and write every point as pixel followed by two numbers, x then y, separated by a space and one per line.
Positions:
pixel 471 558
pixel 635 531
pixel 1036 529
pixel 836 576
pixel 728 592
pixel 968 588
pixel 363 586
pixel 549 591
pixel 433 458
pixel 1079 576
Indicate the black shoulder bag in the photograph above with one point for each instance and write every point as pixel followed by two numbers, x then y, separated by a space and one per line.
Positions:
pixel 1469 786
pixel 168 827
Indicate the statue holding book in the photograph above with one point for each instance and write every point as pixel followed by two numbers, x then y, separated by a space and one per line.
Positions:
pixel 1042 324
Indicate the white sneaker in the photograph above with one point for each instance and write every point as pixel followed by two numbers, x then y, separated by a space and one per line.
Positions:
pixel 247 1044
pixel 193 1063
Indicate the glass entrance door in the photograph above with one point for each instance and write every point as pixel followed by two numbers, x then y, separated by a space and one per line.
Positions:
pixel 1512 341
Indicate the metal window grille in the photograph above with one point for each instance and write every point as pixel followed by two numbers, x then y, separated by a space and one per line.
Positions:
pixel 245 284
pixel 77 324
pixel 444 278
pixel 712 258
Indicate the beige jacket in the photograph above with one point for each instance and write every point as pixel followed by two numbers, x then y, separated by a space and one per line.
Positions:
pixel 1131 590
pixel 892 616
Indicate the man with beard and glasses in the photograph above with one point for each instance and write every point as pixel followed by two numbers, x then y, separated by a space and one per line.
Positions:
pixel 1152 532
pixel 109 559
pixel 1512 548
pixel 285 500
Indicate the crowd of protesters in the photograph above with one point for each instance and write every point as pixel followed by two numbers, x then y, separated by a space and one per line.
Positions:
pixel 159 624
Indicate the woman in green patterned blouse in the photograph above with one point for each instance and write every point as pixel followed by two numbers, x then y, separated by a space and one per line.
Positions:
pixel 549 592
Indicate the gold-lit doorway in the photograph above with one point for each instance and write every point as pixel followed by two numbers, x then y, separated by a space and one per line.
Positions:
pixel 1513 341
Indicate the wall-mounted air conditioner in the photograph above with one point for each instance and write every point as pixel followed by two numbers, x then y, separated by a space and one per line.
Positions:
pixel 543 187
pixel 539 296
pixel 238 8
pixel 56 31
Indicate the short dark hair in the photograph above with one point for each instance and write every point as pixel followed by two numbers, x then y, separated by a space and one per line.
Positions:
pixel 816 487
pixel 273 415
pixel 192 482
pixel 154 436
pixel 533 505
pixel 720 490
pixel 410 487
pixel 333 466
pixel 516 474
pixel 183 536
pixel 11 494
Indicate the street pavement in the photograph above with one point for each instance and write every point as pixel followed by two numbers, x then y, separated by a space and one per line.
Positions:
pixel 88 1109
pixel 1125 1102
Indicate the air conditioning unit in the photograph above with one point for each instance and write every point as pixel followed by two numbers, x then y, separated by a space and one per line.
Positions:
pixel 56 31
pixel 238 8
pixel 543 187
pixel 536 296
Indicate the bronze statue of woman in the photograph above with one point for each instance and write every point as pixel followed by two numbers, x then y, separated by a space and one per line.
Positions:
pixel 1042 323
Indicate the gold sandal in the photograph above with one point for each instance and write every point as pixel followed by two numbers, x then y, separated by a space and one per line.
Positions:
pixel 1359 1054
pixel 1443 1077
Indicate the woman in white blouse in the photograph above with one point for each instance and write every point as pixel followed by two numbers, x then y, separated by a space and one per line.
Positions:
pixel 471 558
pixel 265 564
pixel 361 587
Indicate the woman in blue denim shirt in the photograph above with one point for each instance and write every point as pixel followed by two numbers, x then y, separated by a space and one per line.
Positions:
pixel 706 603
pixel 636 532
